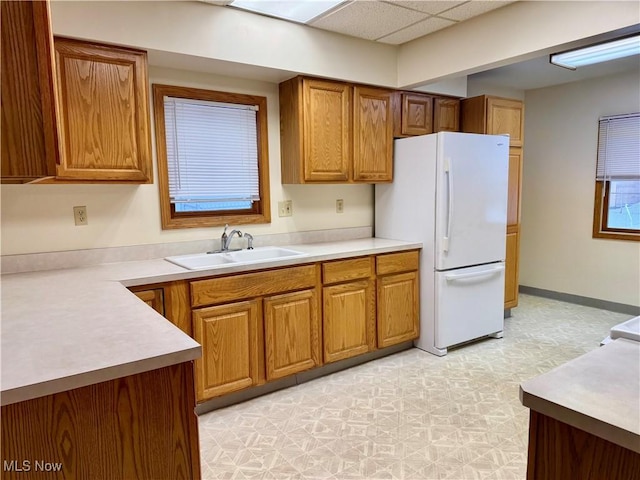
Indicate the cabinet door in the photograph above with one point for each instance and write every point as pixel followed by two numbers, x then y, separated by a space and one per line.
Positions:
pixel 398 313
pixel 154 298
pixel 29 135
pixel 505 116
pixel 348 320
pixel 373 135
pixel 326 131
pixel 291 333
pixel 511 271
pixel 417 114
pixel 515 185
pixel 229 338
pixel 446 115
pixel 104 112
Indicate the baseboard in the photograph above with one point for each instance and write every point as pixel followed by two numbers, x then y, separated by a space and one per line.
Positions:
pixel 580 300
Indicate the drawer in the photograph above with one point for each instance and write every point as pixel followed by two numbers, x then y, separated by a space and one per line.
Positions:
pixel 345 270
pixel 397 262
pixel 249 285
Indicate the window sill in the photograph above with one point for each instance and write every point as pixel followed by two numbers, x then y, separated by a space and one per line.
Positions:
pixel 214 221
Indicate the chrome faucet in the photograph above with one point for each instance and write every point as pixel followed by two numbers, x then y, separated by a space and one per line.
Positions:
pixel 249 238
pixel 225 240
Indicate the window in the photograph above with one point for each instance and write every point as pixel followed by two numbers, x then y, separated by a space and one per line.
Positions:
pixel 617 202
pixel 212 157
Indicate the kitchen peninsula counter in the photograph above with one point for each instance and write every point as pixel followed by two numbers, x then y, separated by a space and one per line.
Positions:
pixel 590 405
pixel 69 328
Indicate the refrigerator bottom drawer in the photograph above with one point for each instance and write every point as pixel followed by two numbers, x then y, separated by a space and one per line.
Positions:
pixel 468 303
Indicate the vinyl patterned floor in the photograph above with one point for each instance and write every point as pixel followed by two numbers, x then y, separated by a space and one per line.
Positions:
pixel 411 415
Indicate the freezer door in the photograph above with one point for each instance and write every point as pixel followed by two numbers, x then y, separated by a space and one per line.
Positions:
pixel 471 199
pixel 469 303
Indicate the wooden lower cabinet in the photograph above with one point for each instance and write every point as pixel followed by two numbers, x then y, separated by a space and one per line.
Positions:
pixel 140 426
pixel 348 320
pixel 292 331
pixel 154 298
pixel 229 338
pixel 398 310
pixel 511 271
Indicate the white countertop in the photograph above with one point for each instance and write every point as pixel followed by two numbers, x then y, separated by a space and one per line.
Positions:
pixel 64 329
pixel 598 392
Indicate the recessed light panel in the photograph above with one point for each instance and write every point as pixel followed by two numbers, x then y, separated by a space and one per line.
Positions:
pixel 298 11
pixel 597 53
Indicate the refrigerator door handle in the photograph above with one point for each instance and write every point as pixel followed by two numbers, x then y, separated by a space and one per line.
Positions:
pixel 452 277
pixel 449 173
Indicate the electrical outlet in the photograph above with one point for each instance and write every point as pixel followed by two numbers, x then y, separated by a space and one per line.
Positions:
pixel 80 215
pixel 339 205
pixel 285 208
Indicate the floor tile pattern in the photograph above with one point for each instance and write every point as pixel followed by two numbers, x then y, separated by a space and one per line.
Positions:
pixel 411 415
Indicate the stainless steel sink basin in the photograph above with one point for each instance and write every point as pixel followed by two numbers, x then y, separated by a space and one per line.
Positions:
pixel 205 261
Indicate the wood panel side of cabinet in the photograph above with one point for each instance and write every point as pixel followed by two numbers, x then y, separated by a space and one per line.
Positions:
pixel 511 272
pixel 348 319
pixel 398 308
pixel 373 135
pixel 291 135
pixel 140 426
pixel 229 338
pixel 558 451
pixel 29 125
pixel 104 112
pixel 292 333
pixel 446 115
pixel 515 186
pixel 473 114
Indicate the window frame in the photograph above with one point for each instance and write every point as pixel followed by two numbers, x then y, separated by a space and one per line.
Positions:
pixel 601 210
pixel 260 211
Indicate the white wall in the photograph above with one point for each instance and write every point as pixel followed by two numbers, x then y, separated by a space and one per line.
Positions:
pixel 39 218
pixel 227 38
pixel 557 250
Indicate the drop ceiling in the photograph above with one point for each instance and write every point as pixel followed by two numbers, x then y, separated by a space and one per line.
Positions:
pixel 394 21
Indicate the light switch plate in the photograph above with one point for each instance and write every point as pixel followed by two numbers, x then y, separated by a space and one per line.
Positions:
pixel 285 208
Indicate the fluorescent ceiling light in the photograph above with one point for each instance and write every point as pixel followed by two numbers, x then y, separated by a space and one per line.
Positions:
pixel 602 52
pixel 296 10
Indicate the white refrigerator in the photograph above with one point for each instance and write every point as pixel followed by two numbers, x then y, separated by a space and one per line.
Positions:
pixel 449 192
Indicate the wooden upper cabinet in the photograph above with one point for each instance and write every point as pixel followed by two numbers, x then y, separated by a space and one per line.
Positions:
pixel 104 112
pixel 373 135
pixel 417 114
pixel 326 119
pixel 494 115
pixel 29 132
pixel 335 132
pixel 446 114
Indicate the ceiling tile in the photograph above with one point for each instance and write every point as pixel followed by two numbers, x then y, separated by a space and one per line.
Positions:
pixel 472 9
pixel 368 19
pixel 431 7
pixel 418 30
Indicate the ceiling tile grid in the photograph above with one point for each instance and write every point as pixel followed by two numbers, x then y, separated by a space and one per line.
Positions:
pixel 420 29
pixel 368 19
pixel 400 21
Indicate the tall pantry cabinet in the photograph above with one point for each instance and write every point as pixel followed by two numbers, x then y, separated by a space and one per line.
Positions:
pixel 496 115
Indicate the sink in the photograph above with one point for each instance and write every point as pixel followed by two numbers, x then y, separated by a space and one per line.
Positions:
pixel 205 261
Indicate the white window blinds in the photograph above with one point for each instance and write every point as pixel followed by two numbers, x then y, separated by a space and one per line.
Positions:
pixel 212 151
pixel 619 148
